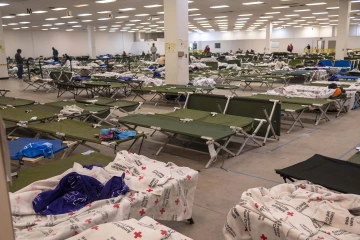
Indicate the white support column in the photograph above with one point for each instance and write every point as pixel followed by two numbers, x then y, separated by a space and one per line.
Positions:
pixel 268 37
pixel 91 42
pixel 343 29
pixel 176 41
pixel 333 31
pixel 3 61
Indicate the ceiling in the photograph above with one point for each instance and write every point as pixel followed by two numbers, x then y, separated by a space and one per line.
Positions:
pixel 295 13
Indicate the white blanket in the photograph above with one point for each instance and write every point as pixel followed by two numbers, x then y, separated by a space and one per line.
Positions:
pixel 158 190
pixel 298 211
pixel 145 228
pixel 203 81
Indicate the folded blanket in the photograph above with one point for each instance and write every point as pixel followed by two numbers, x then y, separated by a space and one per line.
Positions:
pixel 34 150
pixel 71 110
pixel 75 191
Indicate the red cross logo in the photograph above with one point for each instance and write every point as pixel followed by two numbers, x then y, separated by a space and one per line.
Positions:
pixel 263 237
pixel 184 210
pixel 17 199
pixel 116 205
pixel 130 194
pixel 142 212
pixel 162 211
pixel 256 205
pixel 132 199
pixel 149 190
pixel 309 201
pixel 321 238
pixel 95 228
pixel 188 177
pixel 157 201
pixel 141 178
pixel 302 187
pixel 88 220
pixel 54 234
pixel 127 172
pixel 163 232
pixel 172 168
pixel 143 168
pixel 137 235
pixel 158 223
pixel 37 220
pixel 290 214
pixel 89 205
pixel 171 178
pixel 71 213
pixel 319 198
pixel 75 233
pixel 177 201
pixel 29 229
pixel 328 233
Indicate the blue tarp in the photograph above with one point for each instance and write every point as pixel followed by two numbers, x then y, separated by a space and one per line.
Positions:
pixel 75 191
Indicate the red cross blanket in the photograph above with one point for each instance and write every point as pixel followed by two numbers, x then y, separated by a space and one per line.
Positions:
pixel 295 211
pixel 166 194
pixel 145 228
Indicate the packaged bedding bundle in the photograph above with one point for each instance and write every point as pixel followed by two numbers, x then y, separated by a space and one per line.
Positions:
pixel 87 197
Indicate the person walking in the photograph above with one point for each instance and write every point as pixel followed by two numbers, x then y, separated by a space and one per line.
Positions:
pixel 290 48
pixel 20 63
pixel 55 54
pixel 153 51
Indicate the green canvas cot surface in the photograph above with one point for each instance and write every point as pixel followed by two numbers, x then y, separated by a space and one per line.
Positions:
pixel 294 100
pixel 15 102
pixel 75 130
pixel 87 107
pixel 54 168
pixel 174 125
pixel 21 114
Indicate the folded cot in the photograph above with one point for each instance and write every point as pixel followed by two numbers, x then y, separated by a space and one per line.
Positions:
pixel 79 131
pixel 321 104
pixel 338 175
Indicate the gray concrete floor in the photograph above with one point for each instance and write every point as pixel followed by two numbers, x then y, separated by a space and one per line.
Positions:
pixel 218 190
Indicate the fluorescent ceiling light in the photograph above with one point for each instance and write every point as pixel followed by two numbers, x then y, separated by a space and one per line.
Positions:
pixel 142 15
pixel 322 19
pixel 329 8
pixel 298 26
pixel 67 17
pixel 160 22
pixel 47 25
pixel 24 27
pixel 126 9
pixel 86 21
pixel 302 10
pixel 3 4
pixel 135 20
pixel 4 25
pixel 220 6
pixel 284 18
pixel 259 20
pixel 8 17
pixel 195 14
pixel 253 3
pixel 222 20
pixel 221 17
pixel 104 12
pixel 267 17
pixel 58 9
pixel 131 24
pixel 319 13
pixel 280 7
pixel 22 14
pixel 243 18
pixel 72 22
pixel 309 17
pixel 301 20
pixel 77 26
pixel 13 24
pixel 122 17
pixel 84 14
pixel 315 4
pixel 103 19
pixel 105 1
pixel 81 5
pixel 153 6
pixel 16 28
pixel 69 30
pixel 193 9
pixel 199 18
pixel 145 23
pixel 51 19
pixel 40 11
pixel 292 15
pixel 272 13
pixel 59 24
pixel 54 28
pixel 24 22
pixel 103 27
pixel 160 12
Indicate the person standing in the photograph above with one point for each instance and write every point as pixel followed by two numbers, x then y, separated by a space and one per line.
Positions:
pixel 55 54
pixel 153 51
pixel 207 50
pixel 290 48
pixel 20 63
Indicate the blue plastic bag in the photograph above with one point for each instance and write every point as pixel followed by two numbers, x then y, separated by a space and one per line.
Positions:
pixel 34 150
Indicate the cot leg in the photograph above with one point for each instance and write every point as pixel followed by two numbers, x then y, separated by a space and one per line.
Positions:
pixel 132 145
pixel 323 114
pixel 296 120
pixel 191 221
pixel 164 145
